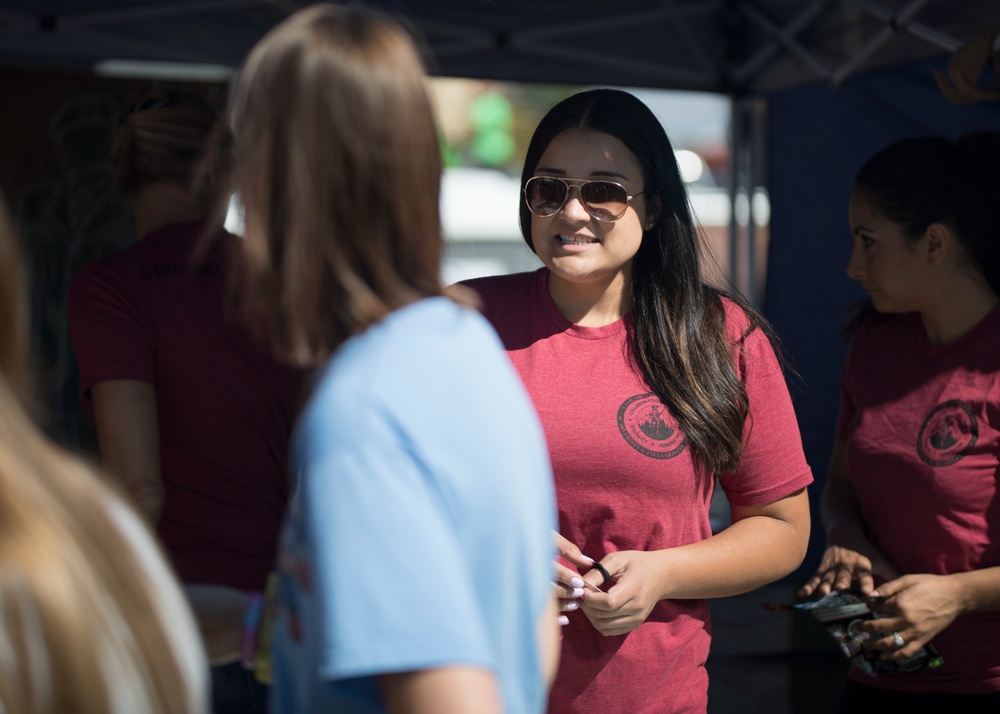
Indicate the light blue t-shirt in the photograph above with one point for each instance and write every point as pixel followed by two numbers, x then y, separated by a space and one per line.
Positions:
pixel 420 532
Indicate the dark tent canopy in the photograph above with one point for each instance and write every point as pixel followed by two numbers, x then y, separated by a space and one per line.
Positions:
pixel 736 47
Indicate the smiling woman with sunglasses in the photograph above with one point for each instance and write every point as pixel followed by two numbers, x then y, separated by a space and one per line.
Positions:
pixel 650 384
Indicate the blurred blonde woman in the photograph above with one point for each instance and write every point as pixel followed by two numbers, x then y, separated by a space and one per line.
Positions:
pixel 91 619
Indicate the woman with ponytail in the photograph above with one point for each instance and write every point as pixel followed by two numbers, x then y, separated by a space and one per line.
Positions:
pixel 910 506
pixel 193 414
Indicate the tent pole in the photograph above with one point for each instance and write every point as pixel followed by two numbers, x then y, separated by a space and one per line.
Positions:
pixel 739 227
pixel 746 174
pixel 750 149
pixel 734 151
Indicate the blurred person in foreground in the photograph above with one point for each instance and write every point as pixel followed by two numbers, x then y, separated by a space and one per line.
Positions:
pixel 416 558
pixel 91 617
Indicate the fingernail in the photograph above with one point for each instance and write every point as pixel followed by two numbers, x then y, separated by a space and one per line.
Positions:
pixel 576 582
pixel 577 592
pixel 587 558
pixel 571 605
pixel 563 620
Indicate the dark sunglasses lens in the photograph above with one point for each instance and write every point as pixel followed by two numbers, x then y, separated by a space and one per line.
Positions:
pixel 545 195
pixel 605 200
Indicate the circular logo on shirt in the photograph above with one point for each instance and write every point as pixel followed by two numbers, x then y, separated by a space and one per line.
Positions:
pixel 949 433
pixel 649 428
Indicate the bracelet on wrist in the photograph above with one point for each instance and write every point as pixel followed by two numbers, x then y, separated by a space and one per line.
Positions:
pixel 262 670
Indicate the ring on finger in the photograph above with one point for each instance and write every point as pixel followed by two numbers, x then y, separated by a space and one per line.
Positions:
pixel 898 641
pixel 603 571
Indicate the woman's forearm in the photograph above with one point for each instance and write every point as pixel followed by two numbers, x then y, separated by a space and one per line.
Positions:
pixel 128 434
pixel 448 690
pixel 980 589
pixel 762 545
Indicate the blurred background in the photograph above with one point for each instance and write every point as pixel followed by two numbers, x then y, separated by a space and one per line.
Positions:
pixel 56 173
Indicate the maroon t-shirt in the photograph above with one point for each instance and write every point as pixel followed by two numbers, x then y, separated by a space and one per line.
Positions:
pixel 923 447
pixel 625 480
pixel 157 313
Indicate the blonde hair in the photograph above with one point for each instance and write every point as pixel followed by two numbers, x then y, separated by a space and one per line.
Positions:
pixel 165 135
pixel 14 329
pixel 91 619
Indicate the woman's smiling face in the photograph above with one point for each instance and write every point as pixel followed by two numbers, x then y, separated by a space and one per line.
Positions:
pixel 576 248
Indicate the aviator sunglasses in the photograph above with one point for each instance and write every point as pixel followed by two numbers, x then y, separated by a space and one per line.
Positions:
pixel 603 200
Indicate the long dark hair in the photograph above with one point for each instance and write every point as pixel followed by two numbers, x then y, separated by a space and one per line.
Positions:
pixel 338 165
pixel 930 179
pixel 679 340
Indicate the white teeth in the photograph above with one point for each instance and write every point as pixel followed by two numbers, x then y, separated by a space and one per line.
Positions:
pixel 573 240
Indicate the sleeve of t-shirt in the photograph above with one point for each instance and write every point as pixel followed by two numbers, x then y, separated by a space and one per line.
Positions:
pixel 773 464
pixel 111 339
pixel 392 587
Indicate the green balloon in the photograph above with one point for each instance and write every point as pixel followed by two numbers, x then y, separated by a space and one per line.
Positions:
pixel 493 147
pixel 491 111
